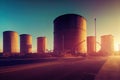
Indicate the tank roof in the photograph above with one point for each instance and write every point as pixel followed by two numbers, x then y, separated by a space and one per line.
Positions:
pixel 41 37
pixel 90 36
pixel 68 15
pixel 107 35
pixel 10 31
pixel 25 35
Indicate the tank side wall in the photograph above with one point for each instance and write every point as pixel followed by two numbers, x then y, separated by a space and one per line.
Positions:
pixel 25 44
pixel 41 44
pixel 70 34
pixel 10 42
pixel 107 45
pixel 91 41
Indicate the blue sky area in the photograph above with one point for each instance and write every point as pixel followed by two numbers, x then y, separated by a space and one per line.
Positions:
pixel 36 17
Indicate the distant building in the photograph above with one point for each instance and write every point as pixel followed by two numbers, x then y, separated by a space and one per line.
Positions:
pixel 41 44
pixel 10 42
pixel 107 44
pixel 91 45
pixel 25 43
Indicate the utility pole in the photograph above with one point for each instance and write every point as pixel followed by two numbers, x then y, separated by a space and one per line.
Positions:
pixel 95 35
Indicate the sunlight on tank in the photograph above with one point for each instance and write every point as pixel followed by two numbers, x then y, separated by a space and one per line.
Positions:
pixel 91 44
pixel 107 44
pixel 41 44
pixel 10 42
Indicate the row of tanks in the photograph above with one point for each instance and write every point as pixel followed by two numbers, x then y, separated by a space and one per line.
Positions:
pixel 11 40
pixel 107 45
pixel 70 36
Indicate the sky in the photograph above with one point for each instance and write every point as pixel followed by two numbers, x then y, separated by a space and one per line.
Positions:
pixel 36 17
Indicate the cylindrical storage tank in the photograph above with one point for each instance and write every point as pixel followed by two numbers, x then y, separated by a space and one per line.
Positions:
pixel 91 45
pixel 10 42
pixel 107 44
pixel 25 43
pixel 41 44
pixel 70 33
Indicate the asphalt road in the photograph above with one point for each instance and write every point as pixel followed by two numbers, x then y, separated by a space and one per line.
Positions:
pixel 61 69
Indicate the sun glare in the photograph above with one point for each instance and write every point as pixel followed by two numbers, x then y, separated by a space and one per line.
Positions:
pixel 116 47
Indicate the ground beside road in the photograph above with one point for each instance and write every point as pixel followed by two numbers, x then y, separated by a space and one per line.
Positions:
pixel 110 70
